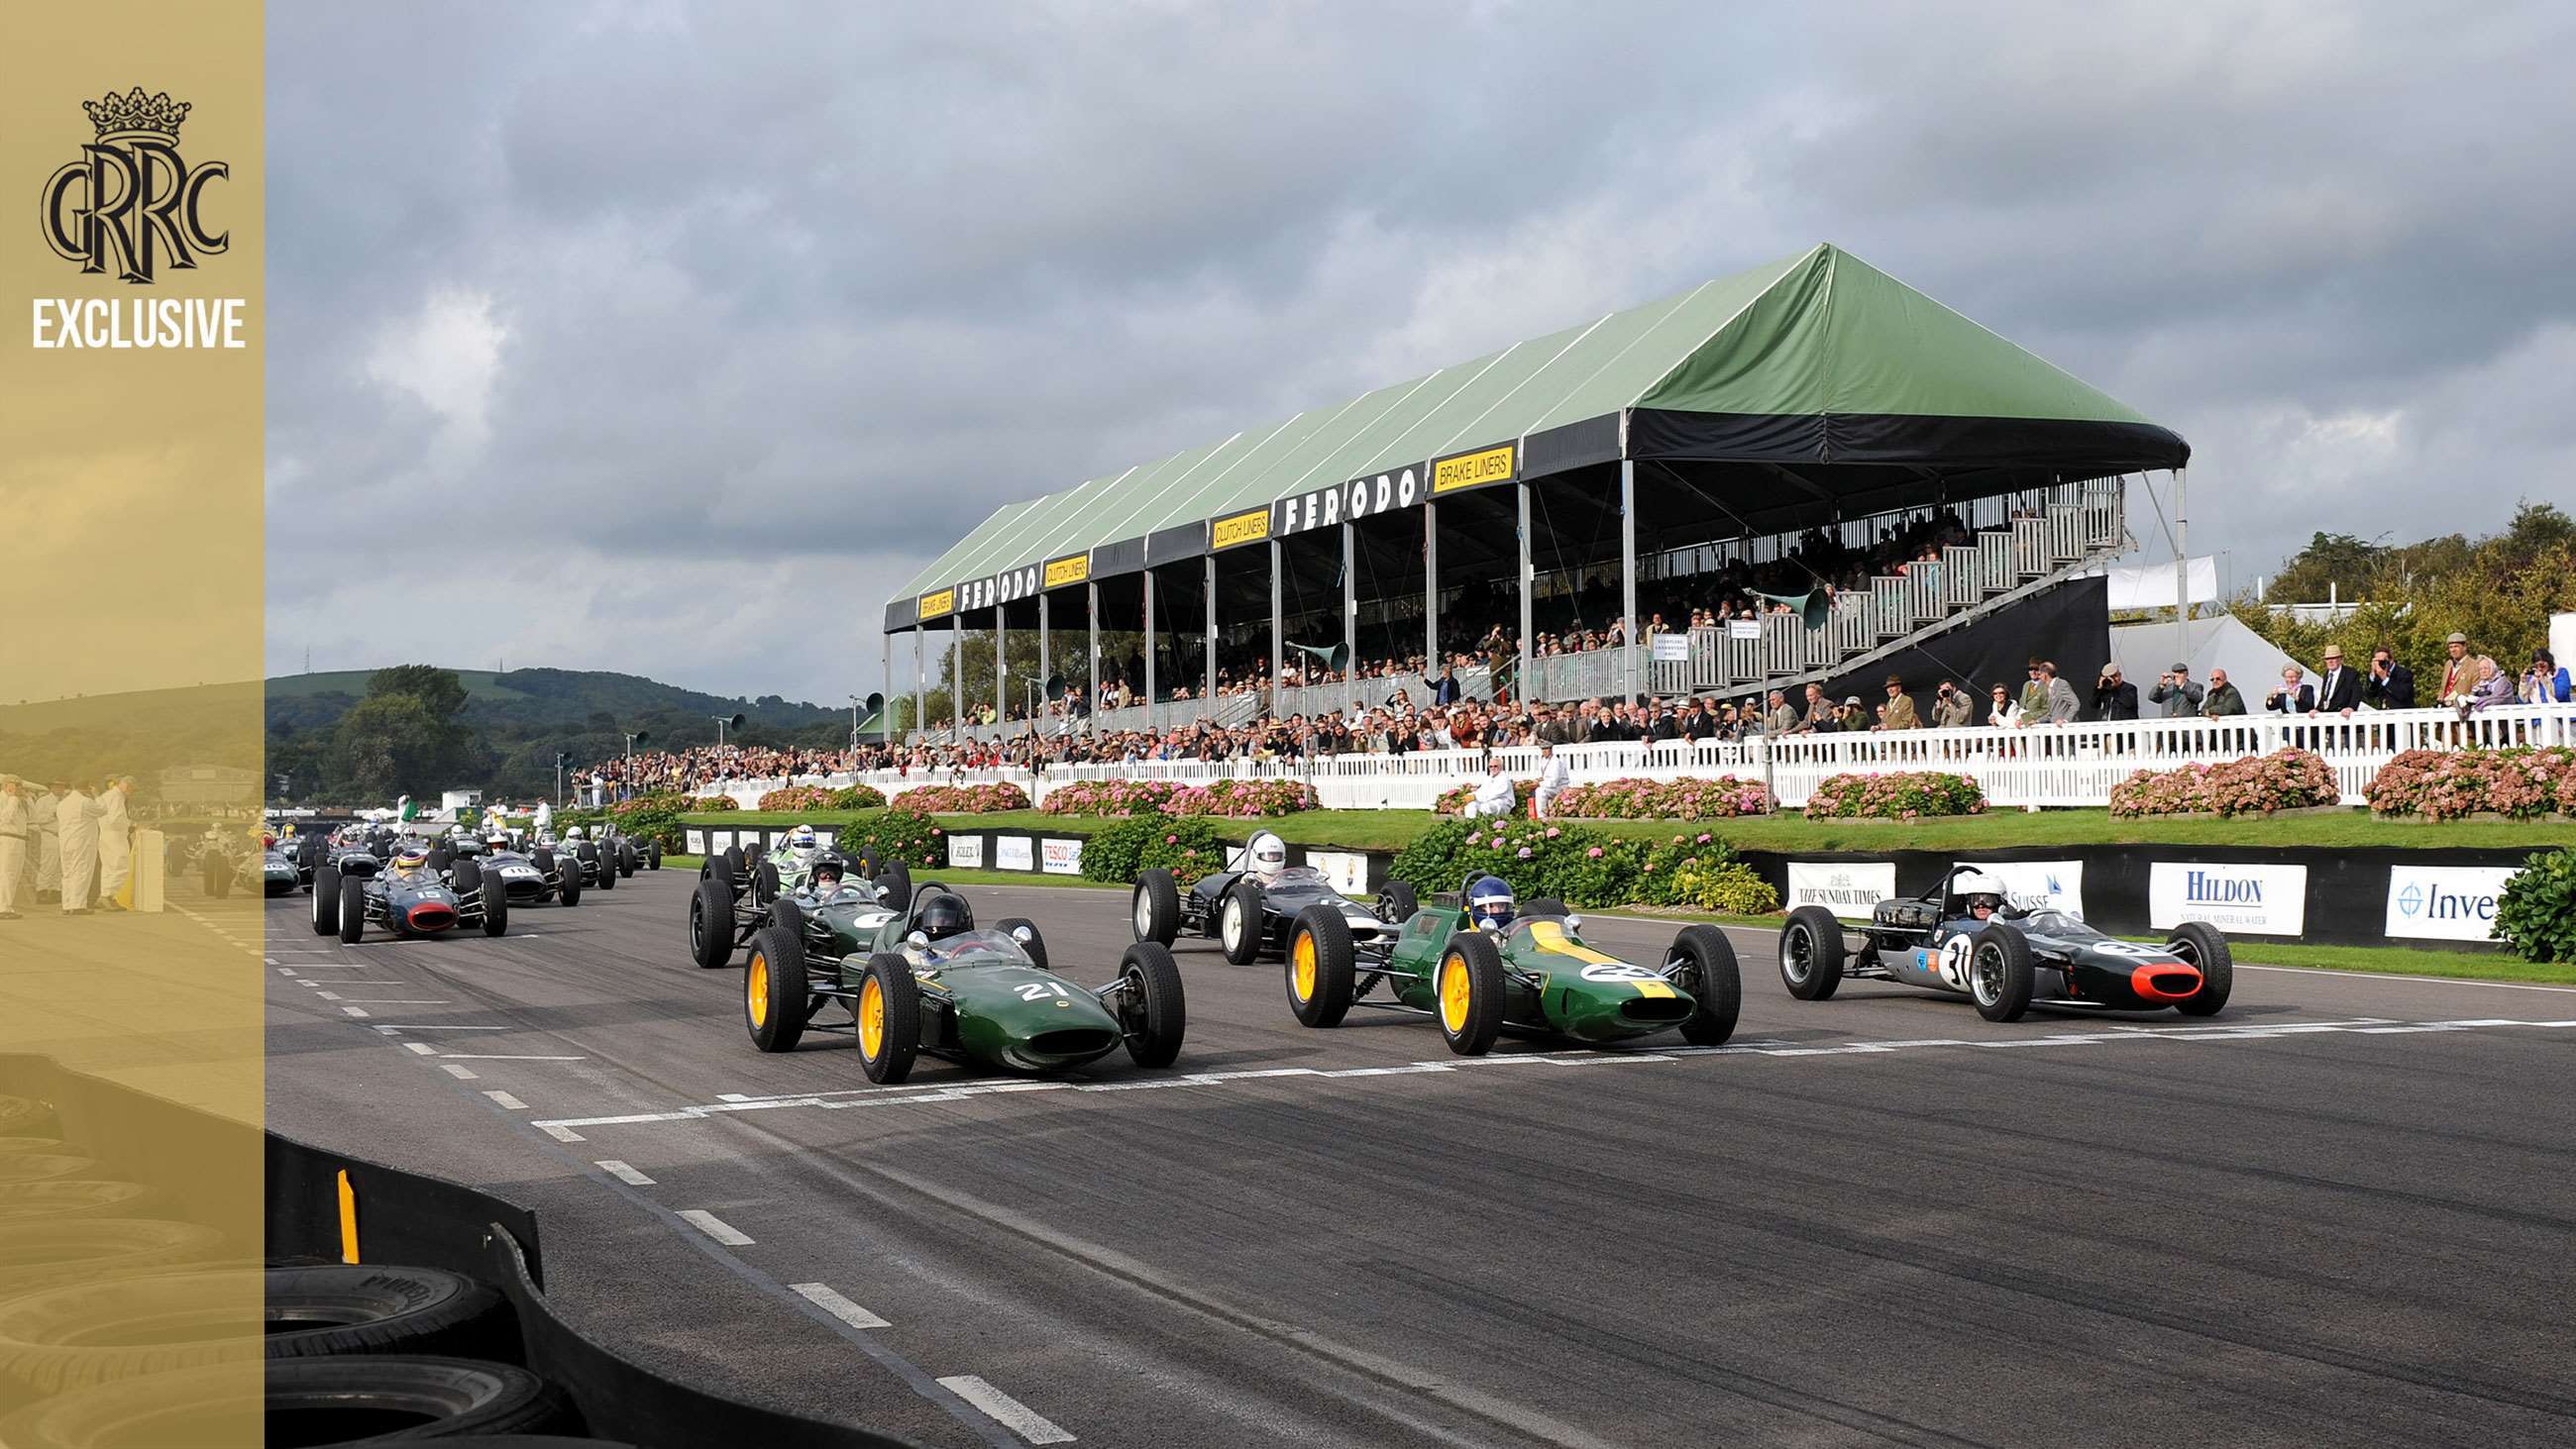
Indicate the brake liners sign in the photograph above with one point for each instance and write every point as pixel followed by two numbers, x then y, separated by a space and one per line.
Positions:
pixel 1473 470
pixel 1240 528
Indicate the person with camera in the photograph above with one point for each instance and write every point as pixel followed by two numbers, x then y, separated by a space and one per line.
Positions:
pixel 2545 682
pixel 2294 696
pixel 2391 685
pixel 2114 698
pixel 1951 707
pixel 2175 691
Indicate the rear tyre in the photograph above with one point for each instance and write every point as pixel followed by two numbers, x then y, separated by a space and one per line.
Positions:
pixel 711 925
pixel 653 855
pixel 1396 903
pixel 1153 1010
pixel 496 902
pixel 441 856
pixel 774 990
pixel 764 884
pixel 625 859
pixel 895 885
pixel 1544 906
pixel 568 876
pixel 889 1016
pixel 464 876
pixel 603 871
pixel 1999 977
pixel 2205 946
pixel 353 910
pixel 1709 974
pixel 1320 956
pixel 1239 926
pixel 1155 911
pixel 733 861
pixel 1034 946
pixel 305 1401
pixel 1811 953
pixel 1470 985
pixel 326 900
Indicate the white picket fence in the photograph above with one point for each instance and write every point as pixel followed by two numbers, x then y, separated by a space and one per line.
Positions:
pixel 2037 767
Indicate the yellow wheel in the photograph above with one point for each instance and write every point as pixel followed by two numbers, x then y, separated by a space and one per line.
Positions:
pixel 1470 985
pixel 888 1008
pixel 774 990
pixel 1455 994
pixel 1301 967
pixel 871 1018
pixel 756 990
pixel 1320 957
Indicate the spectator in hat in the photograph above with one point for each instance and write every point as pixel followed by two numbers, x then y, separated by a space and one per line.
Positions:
pixel 2222 699
pixel 1852 718
pixel 2390 685
pixel 2175 691
pixel 2494 686
pixel 2545 682
pixel 1898 713
pixel 2033 704
pixel 2459 672
pixel 2114 697
pixel 2338 688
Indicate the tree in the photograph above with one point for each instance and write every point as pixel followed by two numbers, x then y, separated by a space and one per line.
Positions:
pixel 391 744
pixel 2499 590
pixel 439 690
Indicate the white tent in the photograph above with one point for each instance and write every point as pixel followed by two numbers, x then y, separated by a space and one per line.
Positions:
pixel 2253 665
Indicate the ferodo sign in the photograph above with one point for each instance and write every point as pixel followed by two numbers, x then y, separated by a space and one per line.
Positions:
pixel 1019 583
pixel 1359 498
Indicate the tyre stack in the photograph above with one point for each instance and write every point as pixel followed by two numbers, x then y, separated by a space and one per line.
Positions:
pixel 121 1326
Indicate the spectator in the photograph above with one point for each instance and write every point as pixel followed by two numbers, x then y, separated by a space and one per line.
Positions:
pixel 1898 713
pixel 1781 719
pixel 2175 691
pixel 1495 797
pixel 1444 690
pixel 2114 697
pixel 2062 705
pixel 2005 711
pixel 2222 700
pixel 1821 715
pixel 13 843
pixel 2460 672
pixel 2545 682
pixel 2294 696
pixel 2391 685
pixel 1952 708
pixel 2339 690
pixel 2494 686
pixel 1851 718
pixel 2033 705
pixel 1553 777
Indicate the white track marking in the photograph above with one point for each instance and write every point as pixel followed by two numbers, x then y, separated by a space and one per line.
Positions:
pixel 442 1026
pixel 2390 976
pixel 462 1074
pixel 503 1057
pixel 929 1095
pixel 824 1298
pixel 506 1100
pixel 357 1011
pixel 714 1227
pixel 559 1133
pixel 422 1047
pixel 397 1001
pixel 1006 1411
pixel 623 1173
pixel 326 995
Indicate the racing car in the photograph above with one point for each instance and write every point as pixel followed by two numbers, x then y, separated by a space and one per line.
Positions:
pixel 918 977
pixel 582 857
pixel 533 877
pixel 734 895
pixel 1966 937
pixel 1252 906
pixel 278 874
pixel 1478 964
pixel 406 896
pixel 627 853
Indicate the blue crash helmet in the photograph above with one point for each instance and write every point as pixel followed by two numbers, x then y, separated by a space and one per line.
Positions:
pixel 1489 903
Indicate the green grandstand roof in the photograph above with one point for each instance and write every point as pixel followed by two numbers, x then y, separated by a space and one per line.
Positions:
pixel 1817 358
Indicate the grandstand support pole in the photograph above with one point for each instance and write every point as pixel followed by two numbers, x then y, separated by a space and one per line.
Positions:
pixel 1430 589
pixel 1628 574
pixel 1209 691
pixel 885 672
pixel 957 666
pixel 1350 616
pixel 1043 659
pixel 1529 580
pixel 2182 571
pixel 1091 611
pixel 1001 703
pixel 1278 639
pixel 1149 648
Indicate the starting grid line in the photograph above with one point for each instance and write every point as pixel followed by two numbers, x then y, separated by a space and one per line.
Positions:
pixel 732 1102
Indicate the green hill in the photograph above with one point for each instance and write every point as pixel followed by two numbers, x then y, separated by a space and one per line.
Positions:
pixel 530 698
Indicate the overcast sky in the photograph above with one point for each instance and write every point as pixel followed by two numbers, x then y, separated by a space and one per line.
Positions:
pixel 684 335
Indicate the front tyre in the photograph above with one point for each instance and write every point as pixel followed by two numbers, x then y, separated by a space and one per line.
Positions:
pixel 353 910
pixel 2205 947
pixel 711 924
pixel 1999 975
pixel 1708 973
pixel 1811 953
pixel 1240 921
pixel 1152 1009
pixel 889 1015
pixel 326 900
pixel 774 990
pixel 1396 903
pixel 496 902
pixel 1320 966
pixel 1470 986
pixel 1154 912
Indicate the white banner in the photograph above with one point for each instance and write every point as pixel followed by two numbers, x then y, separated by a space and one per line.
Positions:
pixel 697 841
pixel 2040 885
pixel 1013 852
pixel 1743 628
pixel 1346 870
pixel 1848 890
pixel 2262 900
pixel 1060 857
pixel 720 842
pixel 966 852
pixel 2444 902
pixel 1668 648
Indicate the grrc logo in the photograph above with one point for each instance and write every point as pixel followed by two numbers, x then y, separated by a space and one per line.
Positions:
pixel 130 199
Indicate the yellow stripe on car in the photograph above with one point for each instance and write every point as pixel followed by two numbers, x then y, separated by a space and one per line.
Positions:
pixel 1549 936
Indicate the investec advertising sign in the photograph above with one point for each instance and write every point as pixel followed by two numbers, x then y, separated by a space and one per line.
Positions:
pixel 2444 902
pixel 2261 900
pixel 1849 891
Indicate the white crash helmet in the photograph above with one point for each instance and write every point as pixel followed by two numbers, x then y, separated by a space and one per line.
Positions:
pixel 1968 885
pixel 803 838
pixel 573 833
pixel 1267 855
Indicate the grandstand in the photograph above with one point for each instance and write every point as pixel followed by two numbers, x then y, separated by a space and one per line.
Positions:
pixel 1843 464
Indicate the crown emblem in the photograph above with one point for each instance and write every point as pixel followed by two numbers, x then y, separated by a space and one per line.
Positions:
pixel 135 113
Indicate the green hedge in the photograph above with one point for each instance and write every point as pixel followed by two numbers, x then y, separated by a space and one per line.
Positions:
pixel 1185 845
pixel 2537 912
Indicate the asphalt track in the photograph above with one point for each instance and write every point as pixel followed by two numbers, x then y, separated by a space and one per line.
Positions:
pixel 2342 1213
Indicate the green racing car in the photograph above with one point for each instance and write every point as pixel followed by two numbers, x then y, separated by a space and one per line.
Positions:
pixel 917 976
pixel 1477 965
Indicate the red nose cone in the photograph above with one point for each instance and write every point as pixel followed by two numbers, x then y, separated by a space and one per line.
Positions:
pixel 2165 981
pixel 430 916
